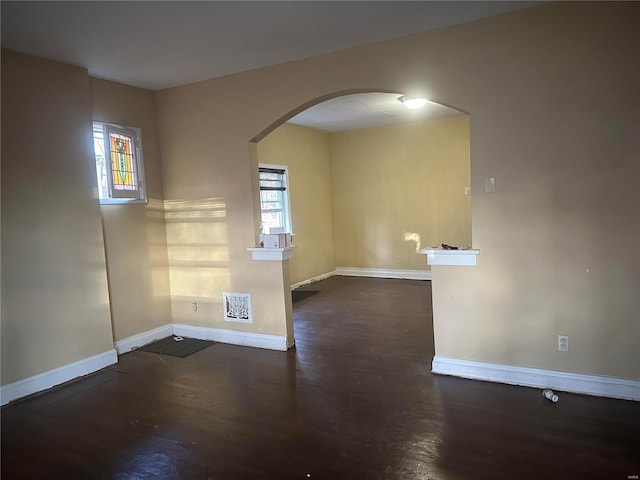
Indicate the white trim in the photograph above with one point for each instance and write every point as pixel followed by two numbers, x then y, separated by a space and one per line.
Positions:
pixel 368 272
pixel 51 378
pixel 281 254
pixel 439 256
pixel 384 273
pixel 234 337
pixel 533 377
pixel 324 276
pixel 131 343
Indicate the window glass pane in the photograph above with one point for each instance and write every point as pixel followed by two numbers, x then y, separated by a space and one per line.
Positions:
pixel 119 169
pixel 270 176
pixel 274 202
pixel 272 180
pixel 271 184
pixel 101 167
pixel 122 161
pixel 271 206
pixel 271 200
pixel 271 196
pixel 272 219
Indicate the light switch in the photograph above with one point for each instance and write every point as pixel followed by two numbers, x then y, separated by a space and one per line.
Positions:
pixel 490 185
pixel 467 191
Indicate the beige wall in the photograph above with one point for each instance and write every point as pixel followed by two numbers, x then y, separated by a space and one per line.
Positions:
pixel 398 189
pixel 55 302
pixel 209 185
pixel 305 152
pixel 376 195
pixel 553 98
pixel 135 236
pixel 553 119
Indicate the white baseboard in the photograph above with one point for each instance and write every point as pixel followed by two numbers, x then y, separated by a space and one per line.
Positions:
pixel 130 343
pixel 234 337
pixel 532 377
pixel 384 273
pixel 368 272
pixel 250 339
pixel 51 378
pixel 313 280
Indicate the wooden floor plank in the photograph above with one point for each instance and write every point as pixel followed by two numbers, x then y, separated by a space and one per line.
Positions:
pixel 355 399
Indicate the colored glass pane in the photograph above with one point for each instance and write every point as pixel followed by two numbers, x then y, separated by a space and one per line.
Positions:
pixel 122 161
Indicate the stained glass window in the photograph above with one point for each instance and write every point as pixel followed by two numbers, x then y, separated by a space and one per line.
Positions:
pixel 123 168
pixel 119 168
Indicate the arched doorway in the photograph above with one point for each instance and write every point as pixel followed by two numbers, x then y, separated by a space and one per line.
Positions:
pixel 370 182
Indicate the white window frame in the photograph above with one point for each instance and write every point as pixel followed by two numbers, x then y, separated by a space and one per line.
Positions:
pixel 118 196
pixel 286 210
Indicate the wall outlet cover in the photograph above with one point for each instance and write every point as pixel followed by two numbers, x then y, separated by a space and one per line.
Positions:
pixel 490 185
pixel 563 343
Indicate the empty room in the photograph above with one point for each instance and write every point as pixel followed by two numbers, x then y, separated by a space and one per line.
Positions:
pixel 231 247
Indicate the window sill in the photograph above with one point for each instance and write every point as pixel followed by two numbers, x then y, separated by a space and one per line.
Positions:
pixel 281 254
pixel 121 201
pixel 438 256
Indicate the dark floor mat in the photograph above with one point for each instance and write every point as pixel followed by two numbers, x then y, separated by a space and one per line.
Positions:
pixel 183 348
pixel 299 295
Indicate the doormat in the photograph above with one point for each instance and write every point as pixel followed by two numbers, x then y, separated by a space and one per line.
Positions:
pixel 299 295
pixel 177 348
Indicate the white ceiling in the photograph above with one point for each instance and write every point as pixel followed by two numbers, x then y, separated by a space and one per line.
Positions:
pixel 158 45
pixel 365 110
pixel 163 44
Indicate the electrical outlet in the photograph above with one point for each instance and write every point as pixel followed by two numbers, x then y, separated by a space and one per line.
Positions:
pixel 490 185
pixel 194 306
pixel 563 343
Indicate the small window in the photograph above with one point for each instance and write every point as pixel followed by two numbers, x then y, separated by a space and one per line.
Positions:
pixel 118 152
pixel 274 198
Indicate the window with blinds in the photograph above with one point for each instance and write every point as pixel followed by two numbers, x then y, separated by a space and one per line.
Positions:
pixel 274 198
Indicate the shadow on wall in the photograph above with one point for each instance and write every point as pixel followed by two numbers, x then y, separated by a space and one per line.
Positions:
pixel 198 253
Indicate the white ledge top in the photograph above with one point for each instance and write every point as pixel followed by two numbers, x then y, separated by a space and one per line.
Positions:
pixel 440 256
pixel 261 253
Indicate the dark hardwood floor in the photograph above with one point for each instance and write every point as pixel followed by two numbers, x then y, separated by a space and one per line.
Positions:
pixel 355 399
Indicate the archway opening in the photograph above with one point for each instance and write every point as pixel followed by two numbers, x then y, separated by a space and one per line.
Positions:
pixel 370 183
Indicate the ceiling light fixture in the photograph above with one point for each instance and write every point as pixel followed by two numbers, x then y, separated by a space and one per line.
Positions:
pixel 413 102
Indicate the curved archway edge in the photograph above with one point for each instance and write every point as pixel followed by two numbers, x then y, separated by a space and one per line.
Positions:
pixel 323 98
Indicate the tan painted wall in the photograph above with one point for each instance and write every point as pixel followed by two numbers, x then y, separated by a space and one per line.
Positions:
pixel 135 235
pixel 553 98
pixel 393 190
pixel 398 189
pixel 208 183
pixel 305 152
pixel 553 118
pixel 55 303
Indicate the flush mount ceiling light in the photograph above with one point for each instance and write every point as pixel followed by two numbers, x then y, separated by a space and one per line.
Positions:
pixel 413 102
